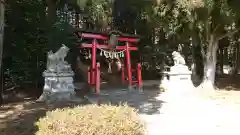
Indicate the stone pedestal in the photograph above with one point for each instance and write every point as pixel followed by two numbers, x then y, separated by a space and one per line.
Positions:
pixel 179 84
pixel 180 78
pixel 58 76
pixel 57 87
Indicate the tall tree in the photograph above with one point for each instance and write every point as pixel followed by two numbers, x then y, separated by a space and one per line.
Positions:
pixel 216 20
pixel 2 13
pixel 207 20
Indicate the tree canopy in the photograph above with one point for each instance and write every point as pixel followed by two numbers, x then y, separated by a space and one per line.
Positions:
pixel 200 27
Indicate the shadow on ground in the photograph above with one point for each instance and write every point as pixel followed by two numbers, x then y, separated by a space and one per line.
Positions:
pixel 222 82
pixel 145 102
pixel 19 118
pixel 228 82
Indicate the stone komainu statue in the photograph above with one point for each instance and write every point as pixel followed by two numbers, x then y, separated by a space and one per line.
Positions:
pixel 178 59
pixel 55 61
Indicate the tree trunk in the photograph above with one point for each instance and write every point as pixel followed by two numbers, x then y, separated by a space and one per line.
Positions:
pixel 237 65
pixel 197 55
pixel 51 12
pixel 2 8
pixel 210 65
pixel 221 61
pixel 50 20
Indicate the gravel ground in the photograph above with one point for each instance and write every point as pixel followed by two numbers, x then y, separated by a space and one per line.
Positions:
pixel 207 114
pixel 19 118
pixel 186 113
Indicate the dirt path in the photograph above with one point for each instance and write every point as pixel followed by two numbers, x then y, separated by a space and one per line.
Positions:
pixel 207 114
pixel 217 113
pixel 19 118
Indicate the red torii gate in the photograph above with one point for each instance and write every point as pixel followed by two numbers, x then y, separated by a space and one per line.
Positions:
pixel 94 70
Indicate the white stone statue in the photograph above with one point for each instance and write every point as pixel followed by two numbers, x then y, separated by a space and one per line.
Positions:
pixel 58 77
pixel 178 59
pixel 55 61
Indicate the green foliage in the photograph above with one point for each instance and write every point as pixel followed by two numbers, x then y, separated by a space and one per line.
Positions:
pixel 91 120
pixel 164 24
pixel 27 42
pixel 99 12
pixel 24 40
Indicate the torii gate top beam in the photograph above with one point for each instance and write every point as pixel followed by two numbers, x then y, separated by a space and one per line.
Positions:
pixel 104 36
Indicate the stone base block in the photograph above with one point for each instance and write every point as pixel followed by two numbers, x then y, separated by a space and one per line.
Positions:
pixel 59 97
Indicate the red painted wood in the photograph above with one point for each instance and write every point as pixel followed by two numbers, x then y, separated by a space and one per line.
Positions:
pixel 99 36
pixel 139 76
pixel 128 65
pixel 94 70
pixel 98 78
pixel 94 36
pixel 94 51
pixel 123 75
pixel 133 70
pixel 131 48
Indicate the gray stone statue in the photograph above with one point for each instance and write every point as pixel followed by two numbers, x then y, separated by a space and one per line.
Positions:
pixel 58 77
pixel 179 75
pixel 178 59
pixel 55 61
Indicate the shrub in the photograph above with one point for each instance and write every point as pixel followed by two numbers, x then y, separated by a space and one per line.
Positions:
pixel 92 120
